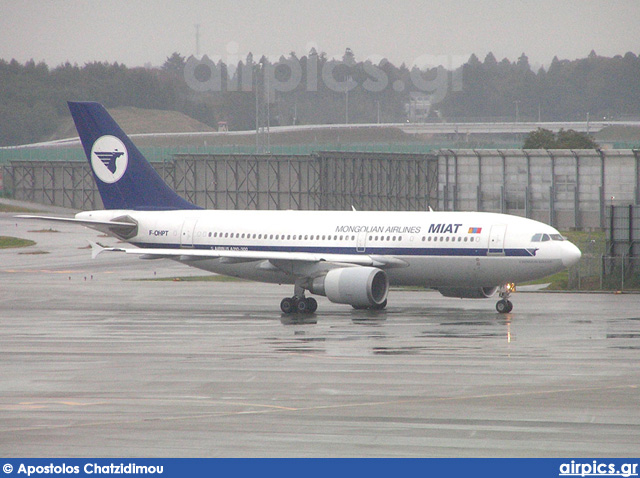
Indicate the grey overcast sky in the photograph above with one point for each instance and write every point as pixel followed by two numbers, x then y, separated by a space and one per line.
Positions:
pixel 136 32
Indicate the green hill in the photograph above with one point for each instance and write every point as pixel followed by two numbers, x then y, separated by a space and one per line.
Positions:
pixel 138 120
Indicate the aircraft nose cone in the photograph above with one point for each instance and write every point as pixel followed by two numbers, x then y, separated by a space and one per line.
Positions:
pixel 570 255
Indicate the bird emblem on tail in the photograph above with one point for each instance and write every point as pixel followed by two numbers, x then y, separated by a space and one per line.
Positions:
pixel 108 158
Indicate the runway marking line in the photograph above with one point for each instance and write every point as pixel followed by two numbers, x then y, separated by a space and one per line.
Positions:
pixel 47 404
pixel 41 271
pixel 275 408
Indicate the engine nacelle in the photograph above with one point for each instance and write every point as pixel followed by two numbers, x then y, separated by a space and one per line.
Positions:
pixel 357 286
pixel 464 293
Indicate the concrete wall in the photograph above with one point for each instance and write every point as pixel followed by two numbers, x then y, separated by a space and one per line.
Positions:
pixel 565 188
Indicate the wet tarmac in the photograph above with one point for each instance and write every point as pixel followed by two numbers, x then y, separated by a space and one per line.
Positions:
pixel 95 362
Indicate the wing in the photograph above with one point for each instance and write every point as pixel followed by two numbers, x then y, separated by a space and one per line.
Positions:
pixel 232 256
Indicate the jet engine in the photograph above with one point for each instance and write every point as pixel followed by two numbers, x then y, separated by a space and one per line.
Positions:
pixel 357 286
pixel 464 293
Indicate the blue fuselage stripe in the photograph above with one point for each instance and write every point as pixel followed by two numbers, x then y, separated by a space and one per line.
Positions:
pixel 387 251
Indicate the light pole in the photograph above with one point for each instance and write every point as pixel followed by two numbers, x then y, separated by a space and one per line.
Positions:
pixel 346 99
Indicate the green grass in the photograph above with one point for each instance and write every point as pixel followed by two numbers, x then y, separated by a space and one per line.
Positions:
pixel 207 278
pixel 10 208
pixel 588 242
pixel 7 242
pixel 45 230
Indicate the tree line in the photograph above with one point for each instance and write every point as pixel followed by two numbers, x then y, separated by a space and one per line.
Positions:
pixel 316 89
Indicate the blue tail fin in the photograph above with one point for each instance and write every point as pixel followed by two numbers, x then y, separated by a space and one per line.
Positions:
pixel 124 177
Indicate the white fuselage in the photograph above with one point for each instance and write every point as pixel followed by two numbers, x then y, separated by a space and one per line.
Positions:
pixel 432 249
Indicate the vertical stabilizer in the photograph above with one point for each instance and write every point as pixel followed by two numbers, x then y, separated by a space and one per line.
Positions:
pixel 124 177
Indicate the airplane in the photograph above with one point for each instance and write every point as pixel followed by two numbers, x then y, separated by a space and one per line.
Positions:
pixel 350 257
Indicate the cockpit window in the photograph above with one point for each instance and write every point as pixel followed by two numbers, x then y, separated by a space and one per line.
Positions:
pixel 547 237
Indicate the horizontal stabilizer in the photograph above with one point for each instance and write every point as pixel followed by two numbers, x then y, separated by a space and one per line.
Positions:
pixel 82 222
pixel 119 228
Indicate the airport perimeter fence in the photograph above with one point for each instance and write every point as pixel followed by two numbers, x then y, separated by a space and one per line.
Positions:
pixel 602 272
pixel 162 153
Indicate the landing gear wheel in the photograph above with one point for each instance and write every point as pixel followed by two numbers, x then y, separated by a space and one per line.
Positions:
pixel 299 305
pixel 312 304
pixel 380 306
pixel 302 306
pixel 287 305
pixel 371 307
pixel 504 306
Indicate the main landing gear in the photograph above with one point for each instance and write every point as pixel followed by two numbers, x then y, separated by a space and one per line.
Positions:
pixel 298 304
pixel 504 305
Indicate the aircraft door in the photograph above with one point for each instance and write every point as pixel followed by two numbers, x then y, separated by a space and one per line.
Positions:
pixel 361 243
pixel 186 237
pixel 496 239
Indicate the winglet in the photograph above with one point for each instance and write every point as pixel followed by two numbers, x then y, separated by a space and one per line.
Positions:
pixel 96 249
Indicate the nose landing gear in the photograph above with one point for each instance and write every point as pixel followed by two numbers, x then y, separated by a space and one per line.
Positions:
pixel 504 305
